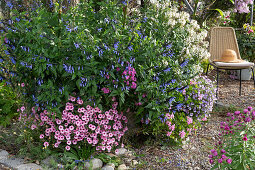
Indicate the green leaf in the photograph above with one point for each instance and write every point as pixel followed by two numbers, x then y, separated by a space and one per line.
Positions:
pixel 78 82
pixel 220 11
pixel 114 93
pixel 122 97
pixel 112 74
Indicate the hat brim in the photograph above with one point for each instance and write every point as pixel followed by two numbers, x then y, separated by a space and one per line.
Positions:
pixel 230 61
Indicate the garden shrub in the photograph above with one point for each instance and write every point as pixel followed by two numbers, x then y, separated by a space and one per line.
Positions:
pixel 8 104
pixel 246 42
pixel 143 61
pixel 235 149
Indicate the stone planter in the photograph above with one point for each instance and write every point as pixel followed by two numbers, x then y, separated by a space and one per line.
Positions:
pixel 246 74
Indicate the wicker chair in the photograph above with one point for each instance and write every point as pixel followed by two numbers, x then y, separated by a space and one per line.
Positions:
pixel 224 38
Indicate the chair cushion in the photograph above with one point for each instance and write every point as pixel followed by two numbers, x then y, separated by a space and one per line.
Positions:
pixel 234 65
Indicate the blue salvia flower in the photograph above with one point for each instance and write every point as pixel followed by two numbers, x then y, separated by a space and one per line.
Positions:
pixel 114 21
pixel 101 52
pixel 116 52
pixel 169 46
pixel 61 89
pixel 17 19
pixel 40 82
pixel 68 29
pixel 9 4
pixel 6 52
pixel 171 100
pixel 116 45
pixel 145 19
pixel 124 2
pixel 106 47
pixel 12 74
pixel 184 63
pixel 89 57
pixel 99 29
pixel 10 22
pixel 106 20
pixel 132 60
pixel 139 33
pixel 179 106
pixel 167 70
pixel 130 48
pixel 29 66
pixel 22 63
pixel 1 60
pixel 49 65
pixel 76 45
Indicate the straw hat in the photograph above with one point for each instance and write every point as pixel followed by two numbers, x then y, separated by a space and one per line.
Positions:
pixel 229 56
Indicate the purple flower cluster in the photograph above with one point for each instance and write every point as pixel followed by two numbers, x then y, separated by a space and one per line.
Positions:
pixel 202 94
pixel 242 6
pixel 222 157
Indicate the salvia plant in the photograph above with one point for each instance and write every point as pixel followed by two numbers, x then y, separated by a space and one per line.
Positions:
pixel 141 59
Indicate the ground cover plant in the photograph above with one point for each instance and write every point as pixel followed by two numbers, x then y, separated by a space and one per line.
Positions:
pixel 82 72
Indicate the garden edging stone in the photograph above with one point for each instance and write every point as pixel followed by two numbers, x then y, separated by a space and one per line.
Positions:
pixel 30 166
pixel 3 154
pixel 107 167
pixel 96 164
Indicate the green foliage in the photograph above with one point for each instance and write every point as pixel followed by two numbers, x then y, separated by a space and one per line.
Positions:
pixel 30 146
pixel 8 104
pixel 246 44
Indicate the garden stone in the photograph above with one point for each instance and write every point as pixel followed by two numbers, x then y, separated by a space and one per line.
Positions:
pixel 121 151
pixel 30 166
pixel 3 154
pixel 111 164
pixel 134 162
pixel 122 167
pixel 193 148
pixel 95 164
pixel 47 161
pixel 185 147
pixel 12 162
pixel 107 167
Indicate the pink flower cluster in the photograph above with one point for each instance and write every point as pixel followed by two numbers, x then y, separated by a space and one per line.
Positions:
pixel 222 158
pixel 106 90
pixel 82 124
pixel 129 77
pixel 171 126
